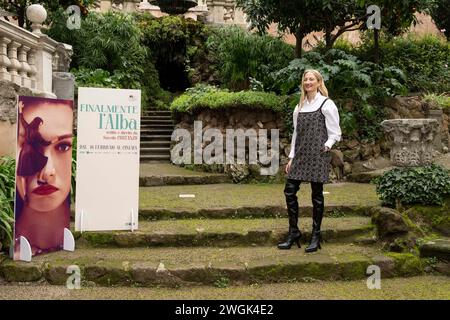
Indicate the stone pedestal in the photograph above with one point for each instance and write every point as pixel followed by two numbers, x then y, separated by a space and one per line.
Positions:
pixel 412 140
pixel 64 85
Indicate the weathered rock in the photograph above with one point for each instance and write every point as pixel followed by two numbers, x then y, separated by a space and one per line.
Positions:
pixel 366 151
pixel 347 168
pixel 388 221
pixel 21 272
pixel 238 172
pixel 365 176
pixel 376 150
pixel 351 155
pixel 443 267
pixel 337 158
pixel 351 144
pixel 438 248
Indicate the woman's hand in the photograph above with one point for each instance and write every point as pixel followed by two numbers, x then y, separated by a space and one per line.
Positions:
pixel 288 166
pixel 325 149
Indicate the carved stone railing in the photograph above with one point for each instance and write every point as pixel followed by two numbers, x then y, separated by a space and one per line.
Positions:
pixel 29 58
pixel 193 13
pixel 412 140
pixel 225 12
pixel 216 11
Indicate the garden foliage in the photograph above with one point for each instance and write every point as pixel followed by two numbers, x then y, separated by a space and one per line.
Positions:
pixel 427 185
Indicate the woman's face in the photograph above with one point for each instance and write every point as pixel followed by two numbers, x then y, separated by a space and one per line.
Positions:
pixel 48 189
pixel 310 82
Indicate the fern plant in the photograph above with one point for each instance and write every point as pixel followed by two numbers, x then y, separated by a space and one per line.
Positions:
pixel 346 77
pixel 7 194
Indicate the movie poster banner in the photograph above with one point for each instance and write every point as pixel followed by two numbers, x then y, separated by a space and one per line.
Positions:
pixel 43 174
pixel 108 138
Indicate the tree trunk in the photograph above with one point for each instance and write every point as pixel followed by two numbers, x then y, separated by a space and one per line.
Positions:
pixel 376 51
pixel 298 43
pixel 328 40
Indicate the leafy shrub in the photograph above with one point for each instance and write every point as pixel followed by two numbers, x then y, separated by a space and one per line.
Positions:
pixel 425 60
pixel 364 83
pixel 426 185
pixel 177 47
pixel 204 96
pixel 108 53
pixel 240 55
pixel 7 194
pixel 441 100
pixel 95 78
pixel 288 109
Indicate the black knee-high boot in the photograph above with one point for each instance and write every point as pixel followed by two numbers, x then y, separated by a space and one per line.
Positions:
pixel 294 235
pixel 318 209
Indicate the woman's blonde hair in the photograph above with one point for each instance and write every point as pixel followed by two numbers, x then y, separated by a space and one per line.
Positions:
pixel 322 88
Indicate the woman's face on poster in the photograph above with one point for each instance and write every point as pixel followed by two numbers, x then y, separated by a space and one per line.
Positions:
pixel 49 188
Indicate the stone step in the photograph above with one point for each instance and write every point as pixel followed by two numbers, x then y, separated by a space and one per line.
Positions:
pixel 150 157
pixel 155 144
pixel 248 212
pixel 173 180
pixel 227 233
pixel 423 287
pixel 367 177
pixel 166 174
pixel 156 137
pixel 154 131
pixel 156 117
pixel 155 150
pixel 161 120
pixel 156 112
pixel 228 200
pixel 147 128
pixel 156 122
pixel 210 266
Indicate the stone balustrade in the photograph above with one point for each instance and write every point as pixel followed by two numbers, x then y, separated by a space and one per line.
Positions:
pixel 29 58
pixel 215 11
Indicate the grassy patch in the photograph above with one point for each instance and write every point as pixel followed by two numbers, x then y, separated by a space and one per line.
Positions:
pixel 252 195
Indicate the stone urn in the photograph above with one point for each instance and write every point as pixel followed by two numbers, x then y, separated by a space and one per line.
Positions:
pixel 411 140
pixel 37 14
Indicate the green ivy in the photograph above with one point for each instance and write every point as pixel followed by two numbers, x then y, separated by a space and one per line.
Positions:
pixel 426 185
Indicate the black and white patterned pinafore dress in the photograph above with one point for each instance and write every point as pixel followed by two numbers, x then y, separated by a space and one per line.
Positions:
pixel 310 162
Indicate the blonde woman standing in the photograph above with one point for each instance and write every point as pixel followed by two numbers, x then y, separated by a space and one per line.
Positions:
pixel 316 129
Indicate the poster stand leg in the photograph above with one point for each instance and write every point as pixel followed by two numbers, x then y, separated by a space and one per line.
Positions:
pixel 25 250
pixel 81 220
pixel 132 220
pixel 69 241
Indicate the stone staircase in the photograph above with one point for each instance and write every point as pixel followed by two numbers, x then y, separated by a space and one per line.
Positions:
pixel 156 130
pixel 174 248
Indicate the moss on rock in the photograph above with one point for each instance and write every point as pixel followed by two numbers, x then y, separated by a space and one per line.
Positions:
pixel 21 272
pixel 406 264
pixel 431 218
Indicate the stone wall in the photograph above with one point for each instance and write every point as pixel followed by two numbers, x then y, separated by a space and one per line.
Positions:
pixel 236 118
pixel 8 115
pixel 348 156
